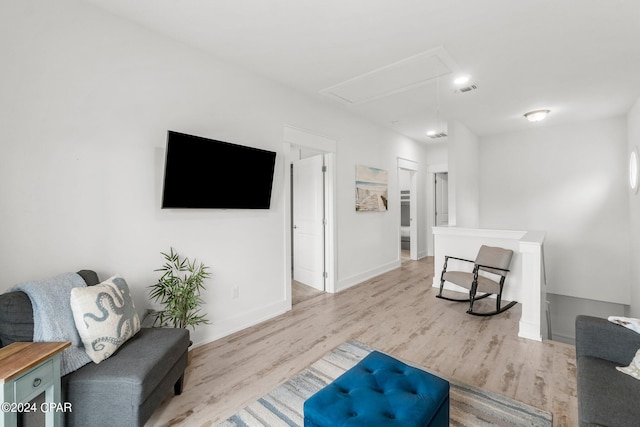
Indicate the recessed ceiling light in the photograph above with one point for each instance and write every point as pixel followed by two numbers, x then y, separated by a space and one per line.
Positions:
pixel 460 80
pixel 536 115
pixel 431 132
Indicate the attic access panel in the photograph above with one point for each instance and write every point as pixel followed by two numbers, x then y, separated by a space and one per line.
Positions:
pixel 400 76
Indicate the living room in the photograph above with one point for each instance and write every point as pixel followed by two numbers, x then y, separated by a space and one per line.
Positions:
pixel 88 97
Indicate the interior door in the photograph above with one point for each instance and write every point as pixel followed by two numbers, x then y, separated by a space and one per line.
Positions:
pixel 308 221
pixel 442 199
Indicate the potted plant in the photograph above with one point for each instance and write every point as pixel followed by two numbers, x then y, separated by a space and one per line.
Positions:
pixel 178 290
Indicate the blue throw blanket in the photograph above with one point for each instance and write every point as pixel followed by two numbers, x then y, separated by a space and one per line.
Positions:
pixel 53 318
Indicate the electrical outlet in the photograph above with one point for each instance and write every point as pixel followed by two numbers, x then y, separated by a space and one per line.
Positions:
pixel 236 292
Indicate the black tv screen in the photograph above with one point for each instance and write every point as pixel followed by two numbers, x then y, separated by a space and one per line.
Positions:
pixel 203 173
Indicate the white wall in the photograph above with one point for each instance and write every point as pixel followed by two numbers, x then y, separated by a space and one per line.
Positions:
pixel 86 101
pixel 463 176
pixel 569 181
pixel 633 127
pixel 364 231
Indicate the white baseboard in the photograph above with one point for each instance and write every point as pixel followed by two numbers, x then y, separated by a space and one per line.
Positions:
pixel 359 278
pixel 529 331
pixel 564 338
pixel 222 328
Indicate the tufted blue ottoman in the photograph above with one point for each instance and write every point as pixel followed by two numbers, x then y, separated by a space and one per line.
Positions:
pixel 380 391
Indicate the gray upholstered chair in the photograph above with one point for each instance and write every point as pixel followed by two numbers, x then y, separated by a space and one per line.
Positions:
pixel 491 260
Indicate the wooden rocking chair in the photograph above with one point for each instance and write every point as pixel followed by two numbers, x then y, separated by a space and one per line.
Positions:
pixel 492 260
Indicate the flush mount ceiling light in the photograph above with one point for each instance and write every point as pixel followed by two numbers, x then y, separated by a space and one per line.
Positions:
pixel 536 115
pixel 460 80
pixel 463 84
pixel 435 135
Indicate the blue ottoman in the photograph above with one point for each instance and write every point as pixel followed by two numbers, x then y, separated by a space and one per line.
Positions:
pixel 380 391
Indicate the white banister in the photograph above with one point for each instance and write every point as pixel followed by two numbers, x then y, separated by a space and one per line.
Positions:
pixel 525 281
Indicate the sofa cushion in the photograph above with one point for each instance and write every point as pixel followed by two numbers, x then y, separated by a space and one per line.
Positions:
pixel 136 369
pixel 105 317
pixel 605 395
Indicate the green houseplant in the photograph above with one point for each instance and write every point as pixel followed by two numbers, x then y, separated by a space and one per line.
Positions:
pixel 178 290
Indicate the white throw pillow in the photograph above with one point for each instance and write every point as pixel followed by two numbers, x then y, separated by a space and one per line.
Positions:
pixel 634 367
pixel 105 317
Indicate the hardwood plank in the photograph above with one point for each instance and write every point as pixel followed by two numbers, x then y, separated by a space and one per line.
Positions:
pixel 397 313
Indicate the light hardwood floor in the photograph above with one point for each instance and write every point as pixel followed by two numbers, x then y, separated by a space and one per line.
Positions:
pixel 301 292
pixel 396 313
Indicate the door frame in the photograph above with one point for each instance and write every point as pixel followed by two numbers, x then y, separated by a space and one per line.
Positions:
pixel 296 137
pixel 435 198
pixel 411 167
pixel 322 167
pixel 431 205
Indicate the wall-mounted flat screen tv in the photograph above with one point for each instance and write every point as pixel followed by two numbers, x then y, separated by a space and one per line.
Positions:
pixel 202 173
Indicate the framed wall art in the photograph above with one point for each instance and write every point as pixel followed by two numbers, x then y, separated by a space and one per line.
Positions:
pixel 371 189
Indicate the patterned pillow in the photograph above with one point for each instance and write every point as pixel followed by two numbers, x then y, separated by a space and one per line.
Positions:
pixel 104 316
pixel 634 367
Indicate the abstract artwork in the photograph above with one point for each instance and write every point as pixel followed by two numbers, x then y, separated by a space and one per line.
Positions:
pixel 371 189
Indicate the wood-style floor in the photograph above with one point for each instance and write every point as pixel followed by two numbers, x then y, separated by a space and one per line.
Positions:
pixel 301 292
pixel 397 313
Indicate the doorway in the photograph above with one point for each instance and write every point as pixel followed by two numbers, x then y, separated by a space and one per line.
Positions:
pixel 310 215
pixel 441 192
pixel 308 226
pixel 406 220
pixel 408 227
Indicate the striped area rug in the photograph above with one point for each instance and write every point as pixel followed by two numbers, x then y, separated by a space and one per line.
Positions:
pixel 469 406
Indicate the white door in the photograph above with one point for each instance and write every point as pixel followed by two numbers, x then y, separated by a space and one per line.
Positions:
pixel 442 199
pixel 308 217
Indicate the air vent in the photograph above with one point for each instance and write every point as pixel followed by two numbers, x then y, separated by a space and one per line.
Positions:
pixel 437 135
pixel 466 89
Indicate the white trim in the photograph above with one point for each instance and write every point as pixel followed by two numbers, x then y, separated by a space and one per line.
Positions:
pixel 226 327
pixel 413 168
pixel 432 170
pixel 330 231
pixel 304 138
pixel 444 167
pixel 298 137
pixel 480 232
pixel 408 164
pixel 356 279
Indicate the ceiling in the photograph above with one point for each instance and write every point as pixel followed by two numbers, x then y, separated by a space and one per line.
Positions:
pixel 578 58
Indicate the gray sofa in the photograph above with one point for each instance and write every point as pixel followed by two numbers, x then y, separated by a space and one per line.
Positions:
pixel 123 390
pixel 606 397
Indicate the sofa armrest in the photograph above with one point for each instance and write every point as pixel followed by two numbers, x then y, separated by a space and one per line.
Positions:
pixel 597 337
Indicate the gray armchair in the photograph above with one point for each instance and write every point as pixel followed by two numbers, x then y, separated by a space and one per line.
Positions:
pixel 606 397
